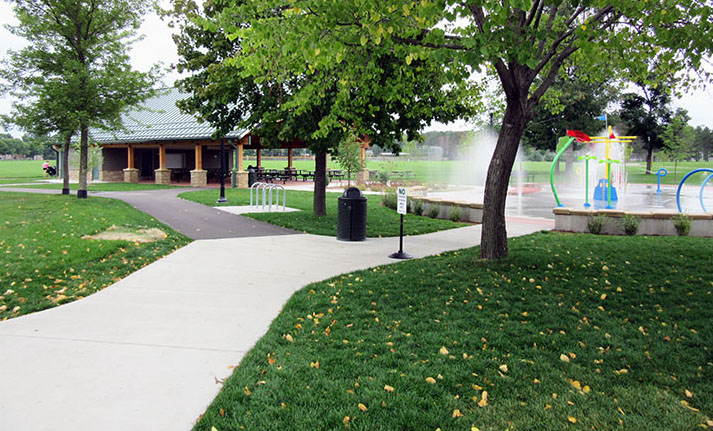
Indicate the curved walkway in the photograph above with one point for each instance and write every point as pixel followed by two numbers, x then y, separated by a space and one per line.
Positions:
pixel 147 353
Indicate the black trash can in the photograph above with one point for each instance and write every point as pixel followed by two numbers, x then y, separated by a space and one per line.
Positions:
pixel 351 217
pixel 252 176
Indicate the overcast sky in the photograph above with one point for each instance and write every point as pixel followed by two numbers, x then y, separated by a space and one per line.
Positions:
pixel 158 46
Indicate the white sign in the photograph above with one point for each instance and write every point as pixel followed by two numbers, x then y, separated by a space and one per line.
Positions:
pixel 401 200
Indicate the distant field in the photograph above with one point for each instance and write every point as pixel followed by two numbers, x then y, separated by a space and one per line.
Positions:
pixel 20 170
pixel 425 171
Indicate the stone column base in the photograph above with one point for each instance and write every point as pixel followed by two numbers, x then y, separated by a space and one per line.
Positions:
pixel 163 176
pixel 242 179
pixel 362 177
pixel 131 175
pixel 199 178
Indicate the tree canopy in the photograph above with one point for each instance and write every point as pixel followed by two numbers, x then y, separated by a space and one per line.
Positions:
pixel 524 43
pixel 646 115
pixel 284 99
pixel 75 72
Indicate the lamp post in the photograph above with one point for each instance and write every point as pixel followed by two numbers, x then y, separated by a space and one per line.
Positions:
pixel 222 199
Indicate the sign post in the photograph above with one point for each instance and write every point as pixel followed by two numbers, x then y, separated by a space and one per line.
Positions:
pixel 401 208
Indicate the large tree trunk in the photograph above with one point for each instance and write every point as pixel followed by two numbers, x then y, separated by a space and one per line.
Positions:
pixel 320 183
pixel 65 164
pixel 649 160
pixel 83 154
pixel 494 241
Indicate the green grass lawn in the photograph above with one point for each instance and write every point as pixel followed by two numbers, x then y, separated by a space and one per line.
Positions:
pixel 570 332
pixel 637 173
pixel 381 221
pixel 15 171
pixel 44 262
pixel 104 187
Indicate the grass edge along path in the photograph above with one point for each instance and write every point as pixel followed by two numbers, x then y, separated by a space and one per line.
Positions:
pixel 572 332
pixel 101 187
pixel 44 262
pixel 380 221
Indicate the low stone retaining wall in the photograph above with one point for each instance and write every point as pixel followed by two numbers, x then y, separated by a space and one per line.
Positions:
pixel 470 212
pixel 652 222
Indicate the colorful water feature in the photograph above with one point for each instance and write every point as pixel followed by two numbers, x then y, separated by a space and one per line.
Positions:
pixel 605 192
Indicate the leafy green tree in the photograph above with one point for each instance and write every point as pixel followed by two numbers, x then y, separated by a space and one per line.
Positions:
pixel 297 102
pixel 573 103
pixel 79 48
pixel 647 113
pixel 349 155
pixel 524 43
pixel 47 107
pixel 678 139
pixel 703 141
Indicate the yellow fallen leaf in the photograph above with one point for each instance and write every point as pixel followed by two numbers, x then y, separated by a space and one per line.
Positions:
pixel 362 407
pixel 289 338
pixel 270 361
pixel 431 380
pixel 483 400
pixel 388 388
pixel 622 371
pixel 222 413
pixel 709 423
pixel 547 406
pixel 443 351
pixel 346 420
pixel 536 381
pixel 564 358
pixel 439 377
pixel 477 387
pixel 685 404
pixel 247 391
pixel 213 429
pixel 688 393
pixel 465 356
pixel 586 389
pixel 314 364
pixel 603 297
pixel 504 368
pixel 572 419
pixel 576 384
pixel 474 428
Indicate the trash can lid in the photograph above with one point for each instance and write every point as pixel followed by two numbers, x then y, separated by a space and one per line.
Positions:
pixel 352 193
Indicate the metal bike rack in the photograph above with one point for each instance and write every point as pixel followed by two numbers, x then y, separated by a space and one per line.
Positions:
pixel 267 199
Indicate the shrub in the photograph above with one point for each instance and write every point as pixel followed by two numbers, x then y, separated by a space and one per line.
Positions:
pixel 417 207
pixel 596 224
pixel 383 177
pixel 630 224
pixel 434 210
pixel 682 223
pixel 389 199
pixel 455 213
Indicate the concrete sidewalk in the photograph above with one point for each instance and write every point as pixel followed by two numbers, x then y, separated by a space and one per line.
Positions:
pixel 145 353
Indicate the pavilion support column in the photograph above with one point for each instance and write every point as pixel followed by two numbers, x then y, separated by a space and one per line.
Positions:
pixel 290 169
pixel 363 175
pixel 163 175
pixel 131 174
pixel 199 176
pixel 240 176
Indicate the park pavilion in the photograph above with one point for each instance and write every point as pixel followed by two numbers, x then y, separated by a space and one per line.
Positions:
pixel 160 143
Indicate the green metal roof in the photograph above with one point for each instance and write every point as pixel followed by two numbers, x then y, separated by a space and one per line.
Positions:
pixel 159 120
